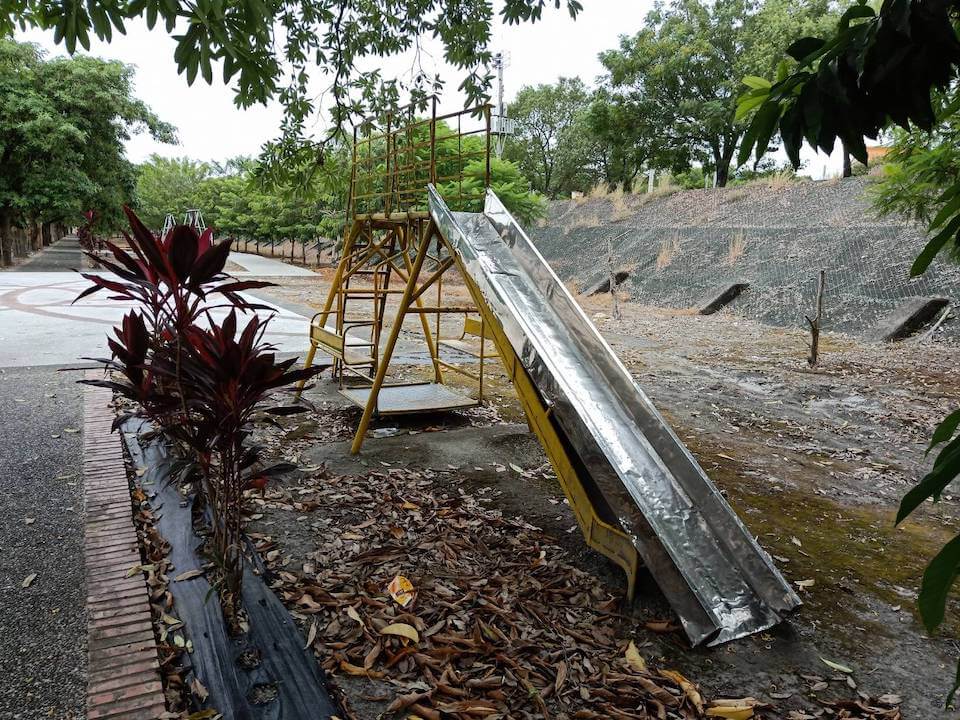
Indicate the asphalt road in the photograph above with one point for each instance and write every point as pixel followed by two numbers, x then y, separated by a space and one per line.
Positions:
pixel 42 626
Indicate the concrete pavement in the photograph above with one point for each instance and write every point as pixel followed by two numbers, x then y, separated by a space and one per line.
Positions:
pixel 40 324
pixel 266 267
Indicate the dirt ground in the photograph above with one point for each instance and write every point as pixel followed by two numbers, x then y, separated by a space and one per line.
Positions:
pixel 814 460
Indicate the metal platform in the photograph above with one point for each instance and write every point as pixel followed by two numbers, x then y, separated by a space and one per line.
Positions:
pixel 406 399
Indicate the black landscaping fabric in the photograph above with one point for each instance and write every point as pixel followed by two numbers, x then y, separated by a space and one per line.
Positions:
pixel 220 661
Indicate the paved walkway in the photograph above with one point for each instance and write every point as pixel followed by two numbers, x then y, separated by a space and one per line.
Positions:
pixel 40 324
pixel 267 267
pixel 42 626
pixel 63 256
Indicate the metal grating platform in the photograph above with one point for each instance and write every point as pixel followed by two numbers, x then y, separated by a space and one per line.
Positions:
pixel 420 398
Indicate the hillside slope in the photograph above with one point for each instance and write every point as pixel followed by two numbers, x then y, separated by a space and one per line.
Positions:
pixel 775 237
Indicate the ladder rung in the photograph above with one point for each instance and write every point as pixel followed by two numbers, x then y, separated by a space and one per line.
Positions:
pixel 457 369
pixel 354 292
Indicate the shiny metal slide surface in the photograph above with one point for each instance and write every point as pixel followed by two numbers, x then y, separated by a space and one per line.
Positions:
pixel 717 578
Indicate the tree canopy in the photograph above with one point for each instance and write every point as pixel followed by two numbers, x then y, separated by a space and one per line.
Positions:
pixel 553 146
pixel 238 199
pixel 673 86
pixel 273 50
pixel 234 202
pixel 63 123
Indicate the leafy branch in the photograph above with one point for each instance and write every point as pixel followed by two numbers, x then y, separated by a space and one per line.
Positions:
pixel 879 68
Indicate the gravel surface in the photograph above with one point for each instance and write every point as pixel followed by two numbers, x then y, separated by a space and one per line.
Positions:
pixel 42 626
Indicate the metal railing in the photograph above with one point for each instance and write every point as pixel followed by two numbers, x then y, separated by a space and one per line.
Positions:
pixel 394 159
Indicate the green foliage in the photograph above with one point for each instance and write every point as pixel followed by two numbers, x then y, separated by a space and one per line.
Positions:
pixel 624 138
pixel 268 51
pixel 553 145
pixel 918 167
pixel 506 181
pixel 168 185
pixel 894 66
pixel 673 86
pixel 62 127
pixel 236 200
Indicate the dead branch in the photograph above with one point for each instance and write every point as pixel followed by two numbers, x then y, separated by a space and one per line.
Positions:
pixel 815 323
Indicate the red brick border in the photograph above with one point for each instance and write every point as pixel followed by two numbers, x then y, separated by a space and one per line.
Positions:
pixel 123 678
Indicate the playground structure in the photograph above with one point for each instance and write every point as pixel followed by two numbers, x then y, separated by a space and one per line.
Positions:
pixel 420 206
pixel 192 218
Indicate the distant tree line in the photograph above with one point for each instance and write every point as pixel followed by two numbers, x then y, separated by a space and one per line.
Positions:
pixel 667 100
pixel 239 198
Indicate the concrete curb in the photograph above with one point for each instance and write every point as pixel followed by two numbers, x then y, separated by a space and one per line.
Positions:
pixel 123 678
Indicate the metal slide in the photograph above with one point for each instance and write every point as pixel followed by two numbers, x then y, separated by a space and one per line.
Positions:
pixel 637 473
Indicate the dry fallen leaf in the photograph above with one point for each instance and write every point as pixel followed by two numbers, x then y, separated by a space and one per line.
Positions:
pixel 401 590
pixel 197 688
pixel 836 666
pixel 28 580
pixel 403 630
pixel 661 626
pixel 635 659
pixel 351 669
pixel 732 708
pixel 311 634
pixel 731 712
pixel 188 575
pixel 689 689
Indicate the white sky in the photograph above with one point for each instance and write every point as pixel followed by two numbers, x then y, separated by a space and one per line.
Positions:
pixel 210 127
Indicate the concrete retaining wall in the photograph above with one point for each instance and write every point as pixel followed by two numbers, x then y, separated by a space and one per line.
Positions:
pixel 777 239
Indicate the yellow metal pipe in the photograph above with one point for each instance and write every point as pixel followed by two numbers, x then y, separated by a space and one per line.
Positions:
pixel 391 344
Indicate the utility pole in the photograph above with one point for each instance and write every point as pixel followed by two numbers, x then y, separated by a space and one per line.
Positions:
pixel 501 128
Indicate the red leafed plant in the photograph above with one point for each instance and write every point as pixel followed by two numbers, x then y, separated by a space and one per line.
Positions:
pixel 201 382
pixel 85 236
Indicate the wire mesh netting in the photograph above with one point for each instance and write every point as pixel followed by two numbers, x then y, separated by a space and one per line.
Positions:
pixel 867 263
pixel 395 158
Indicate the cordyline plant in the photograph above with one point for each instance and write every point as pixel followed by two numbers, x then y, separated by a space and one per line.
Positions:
pixel 85 235
pixel 198 381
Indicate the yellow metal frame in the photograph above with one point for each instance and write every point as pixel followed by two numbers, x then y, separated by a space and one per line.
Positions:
pixel 598 534
pixel 378 249
pixel 391 234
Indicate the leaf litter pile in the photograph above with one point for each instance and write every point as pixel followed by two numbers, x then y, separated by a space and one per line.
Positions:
pixel 421 599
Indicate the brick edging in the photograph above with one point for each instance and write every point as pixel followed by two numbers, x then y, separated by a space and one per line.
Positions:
pixel 123 677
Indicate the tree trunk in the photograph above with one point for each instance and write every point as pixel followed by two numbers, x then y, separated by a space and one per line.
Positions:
pixel 847 165
pixel 46 233
pixel 816 322
pixel 724 159
pixel 20 241
pixel 6 239
pixel 36 239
